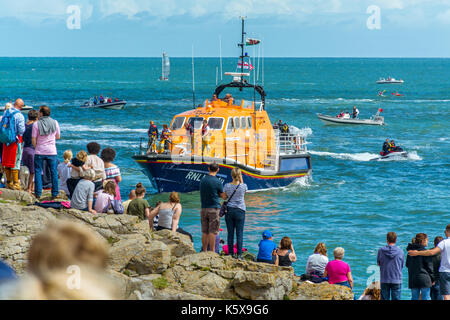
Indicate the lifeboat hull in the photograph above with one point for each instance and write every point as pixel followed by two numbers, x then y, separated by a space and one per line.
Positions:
pixel 184 174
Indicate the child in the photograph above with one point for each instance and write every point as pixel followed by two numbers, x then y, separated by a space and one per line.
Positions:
pixel 131 197
pixel 267 248
pixel 64 171
pixel 78 167
pixel 105 196
pixel 284 258
pixel 28 148
pixel 94 162
pixel 83 195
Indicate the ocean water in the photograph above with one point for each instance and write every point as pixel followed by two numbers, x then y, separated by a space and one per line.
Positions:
pixel 349 201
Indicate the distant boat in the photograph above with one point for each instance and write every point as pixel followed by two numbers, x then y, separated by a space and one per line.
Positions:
pixel 389 80
pixel 165 67
pixel 114 105
pixel 24 108
pixel 374 120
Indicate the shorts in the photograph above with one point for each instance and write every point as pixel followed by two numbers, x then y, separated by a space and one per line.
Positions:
pixel 444 283
pixel 210 220
pixel 28 158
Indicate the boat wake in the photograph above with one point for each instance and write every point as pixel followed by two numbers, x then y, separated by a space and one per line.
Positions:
pixel 304 132
pixel 365 156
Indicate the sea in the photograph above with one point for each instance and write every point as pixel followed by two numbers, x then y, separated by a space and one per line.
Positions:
pixel 349 201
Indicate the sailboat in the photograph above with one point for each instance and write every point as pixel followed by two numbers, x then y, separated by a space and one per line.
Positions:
pixel 165 67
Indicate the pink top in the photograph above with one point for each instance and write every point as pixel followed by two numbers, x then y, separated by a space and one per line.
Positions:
pixel 45 145
pixel 102 201
pixel 337 271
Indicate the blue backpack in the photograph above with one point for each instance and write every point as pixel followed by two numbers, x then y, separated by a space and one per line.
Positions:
pixel 8 127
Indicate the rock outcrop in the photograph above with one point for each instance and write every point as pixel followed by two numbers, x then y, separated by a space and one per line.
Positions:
pixel 156 265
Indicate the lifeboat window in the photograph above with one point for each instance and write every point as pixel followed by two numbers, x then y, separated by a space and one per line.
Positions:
pixel 249 122
pixel 243 122
pixel 215 123
pixel 197 122
pixel 236 123
pixel 178 123
pixel 230 125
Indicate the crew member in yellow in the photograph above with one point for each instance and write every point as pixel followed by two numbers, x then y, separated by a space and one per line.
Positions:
pixel 164 143
pixel 206 138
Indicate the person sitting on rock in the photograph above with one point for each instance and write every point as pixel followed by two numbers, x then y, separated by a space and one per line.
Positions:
pixel 139 206
pixel 83 196
pixel 338 271
pixel 169 215
pixel 285 253
pixel 131 197
pixel 267 248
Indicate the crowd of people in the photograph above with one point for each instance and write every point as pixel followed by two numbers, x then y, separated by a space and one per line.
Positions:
pixel 92 184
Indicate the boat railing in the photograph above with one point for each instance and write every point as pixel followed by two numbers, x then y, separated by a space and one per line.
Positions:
pixel 290 143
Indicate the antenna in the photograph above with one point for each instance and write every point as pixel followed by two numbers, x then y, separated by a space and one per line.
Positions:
pixel 220 50
pixel 242 45
pixel 193 77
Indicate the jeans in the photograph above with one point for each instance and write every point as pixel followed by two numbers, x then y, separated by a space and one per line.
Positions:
pixel 435 292
pixel 415 293
pixel 345 284
pixel 391 291
pixel 235 219
pixel 38 167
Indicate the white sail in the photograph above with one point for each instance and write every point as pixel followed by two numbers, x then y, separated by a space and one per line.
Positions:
pixel 165 67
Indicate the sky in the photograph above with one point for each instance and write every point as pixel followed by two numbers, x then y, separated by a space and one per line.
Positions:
pixel 287 28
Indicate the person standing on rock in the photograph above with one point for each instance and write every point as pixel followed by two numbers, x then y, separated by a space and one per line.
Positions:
pixel 211 189
pixel 391 260
pixel 235 217
pixel 443 247
pixel 12 152
pixel 45 133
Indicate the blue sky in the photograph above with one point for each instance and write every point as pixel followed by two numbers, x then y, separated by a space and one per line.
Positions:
pixel 288 28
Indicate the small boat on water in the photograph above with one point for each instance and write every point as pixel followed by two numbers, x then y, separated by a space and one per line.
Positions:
pixel 165 74
pixel 394 154
pixel 24 108
pixel 240 136
pixel 389 80
pixel 333 120
pixel 114 105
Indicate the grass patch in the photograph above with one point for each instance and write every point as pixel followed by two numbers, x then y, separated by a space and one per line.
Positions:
pixel 205 269
pixel 286 297
pixel 3 201
pixel 112 240
pixel 127 273
pixel 160 283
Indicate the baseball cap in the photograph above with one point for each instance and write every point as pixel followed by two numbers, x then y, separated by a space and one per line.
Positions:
pixel 267 234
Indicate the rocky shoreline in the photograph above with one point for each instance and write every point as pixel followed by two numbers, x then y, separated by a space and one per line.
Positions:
pixel 157 265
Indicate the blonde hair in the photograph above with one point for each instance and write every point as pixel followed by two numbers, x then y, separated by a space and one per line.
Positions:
pixel 321 248
pixel 66 244
pixel 67 155
pixel 8 105
pixel 373 290
pixel 339 253
pixel 236 174
pixel 82 156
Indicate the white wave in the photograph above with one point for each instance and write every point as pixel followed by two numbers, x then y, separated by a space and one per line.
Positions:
pixel 105 128
pixel 443 139
pixel 365 156
pixel 304 132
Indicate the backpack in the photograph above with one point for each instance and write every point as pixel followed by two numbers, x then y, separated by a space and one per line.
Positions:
pixel 114 205
pixel 8 128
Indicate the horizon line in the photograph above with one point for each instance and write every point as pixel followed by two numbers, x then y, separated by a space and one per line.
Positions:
pixel 228 57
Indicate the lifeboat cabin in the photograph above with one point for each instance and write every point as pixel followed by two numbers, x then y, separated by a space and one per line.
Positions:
pixel 240 135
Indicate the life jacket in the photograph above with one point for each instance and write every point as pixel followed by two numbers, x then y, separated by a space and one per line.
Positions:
pixel 8 133
pixel 285 128
pixel 204 130
pixel 165 134
pixel 153 130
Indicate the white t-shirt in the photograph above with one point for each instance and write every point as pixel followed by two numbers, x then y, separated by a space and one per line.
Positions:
pixel 444 245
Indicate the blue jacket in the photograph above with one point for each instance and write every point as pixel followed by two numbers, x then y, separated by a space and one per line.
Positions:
pixel 391 260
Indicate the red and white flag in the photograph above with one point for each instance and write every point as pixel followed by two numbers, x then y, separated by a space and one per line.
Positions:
pixel 247 66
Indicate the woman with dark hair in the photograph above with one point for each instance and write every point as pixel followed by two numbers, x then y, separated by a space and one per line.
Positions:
pixel 285 253
pixel 112 171
pixel 28 148
pixel 139 206
pixel 169 215
pixel 420 269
